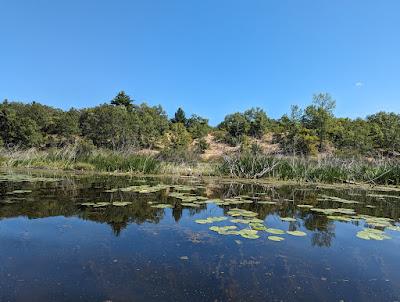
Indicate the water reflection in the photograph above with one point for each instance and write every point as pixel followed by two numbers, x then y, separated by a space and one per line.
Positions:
pixel 153 252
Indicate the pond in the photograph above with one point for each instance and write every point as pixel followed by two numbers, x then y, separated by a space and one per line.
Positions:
pixel 114 238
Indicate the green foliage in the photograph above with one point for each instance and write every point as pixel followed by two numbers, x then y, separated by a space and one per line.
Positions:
pixel 124 125
pixel 253 122
pixel 201 145
pixel 352 136
pixel 319 116
pixel 236 125
pixel 294 137
pixel 197 126
pixel 111 162
pixel 180 117
pixel 385 131
pixel 107 126
pixel 122 99
pixel 67 124
pixel 258 121
pixel 149 124
pixel 177 137
pixel 17 128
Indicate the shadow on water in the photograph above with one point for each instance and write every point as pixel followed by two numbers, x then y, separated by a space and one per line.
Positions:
pixel 146 239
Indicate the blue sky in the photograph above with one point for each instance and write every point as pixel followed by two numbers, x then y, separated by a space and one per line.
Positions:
pixel 212 57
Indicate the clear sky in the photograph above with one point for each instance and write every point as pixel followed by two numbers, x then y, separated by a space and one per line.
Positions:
pixel 212 57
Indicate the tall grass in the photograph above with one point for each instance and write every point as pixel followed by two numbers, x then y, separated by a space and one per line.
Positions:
pixel 329 169
pixel 241 165
pixel 124 162
pixel 69 158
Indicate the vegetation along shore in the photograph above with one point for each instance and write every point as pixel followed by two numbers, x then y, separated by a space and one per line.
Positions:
pixel 310 144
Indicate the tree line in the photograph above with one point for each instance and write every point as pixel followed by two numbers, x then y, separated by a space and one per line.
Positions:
pixel 122 124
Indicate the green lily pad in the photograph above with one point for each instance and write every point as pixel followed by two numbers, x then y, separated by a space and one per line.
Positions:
pixel 19 192
pixel 211 220
pixel 276 238
pixel 297 233
pixel 394 228
pixel 249 234
pixel 241 212
pixel 101 204
pixel 339 218
pixel 288 219
pixel 257 226
pixel 192 205
pixel 372 234
pixel 267 202
pixel 121 203
pixel 162 206
pixel 305 206
pixel 275 231
pixel 225 230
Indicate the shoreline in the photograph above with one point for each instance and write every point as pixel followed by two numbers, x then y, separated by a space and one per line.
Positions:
pixel 206 178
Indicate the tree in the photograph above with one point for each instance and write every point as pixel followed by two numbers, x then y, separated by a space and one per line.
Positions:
pixel 67 124
pixel 293 137
pixel 179 117
pixel 150 123
pixel 18 129
pixel 236 125
pixel 351 135
pixel 178 138
pixel 385 131
pixel 319 115
pixel 107 126
pixel 122 99
pixel 258 121
pixel 197 126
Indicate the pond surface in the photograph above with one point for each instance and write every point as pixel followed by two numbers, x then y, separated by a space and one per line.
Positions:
pixel 97 238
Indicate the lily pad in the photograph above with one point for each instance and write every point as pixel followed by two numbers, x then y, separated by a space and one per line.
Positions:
pixel 192 205
pixel 372 234
pixel 305 206
pixel 394 228
pixel 275 231
pixel 267 202
pixel 249 234
pixel 121 203
pixel 289 219
pixel 162 206
pixel 19 192
pixel 339 218
pixel 276 238
pixel 211 219
pixel 225 230
pixel 257 226
pixel 297 233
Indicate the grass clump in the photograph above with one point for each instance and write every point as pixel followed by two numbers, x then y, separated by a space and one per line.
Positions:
pixel 328 170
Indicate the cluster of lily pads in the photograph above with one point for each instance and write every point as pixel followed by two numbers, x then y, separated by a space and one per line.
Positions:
pixel 144 189
pixel 349 215
pixel 183 194
pixel 255 225
pixel 106 204
pixel 16 178
pixel 372 234
pixel 19 192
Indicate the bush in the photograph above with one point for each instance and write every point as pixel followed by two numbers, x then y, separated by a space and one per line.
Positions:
pixel 201 146
pixel 178 156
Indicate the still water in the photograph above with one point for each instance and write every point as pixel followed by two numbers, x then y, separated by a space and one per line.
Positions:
pixel 98 238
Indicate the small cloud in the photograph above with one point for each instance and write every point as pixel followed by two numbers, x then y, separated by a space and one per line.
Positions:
pixel 359 84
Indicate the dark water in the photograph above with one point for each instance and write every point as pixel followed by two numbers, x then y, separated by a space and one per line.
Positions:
pixel 53 248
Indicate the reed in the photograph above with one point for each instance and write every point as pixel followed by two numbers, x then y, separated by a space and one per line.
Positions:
pixel 327 169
